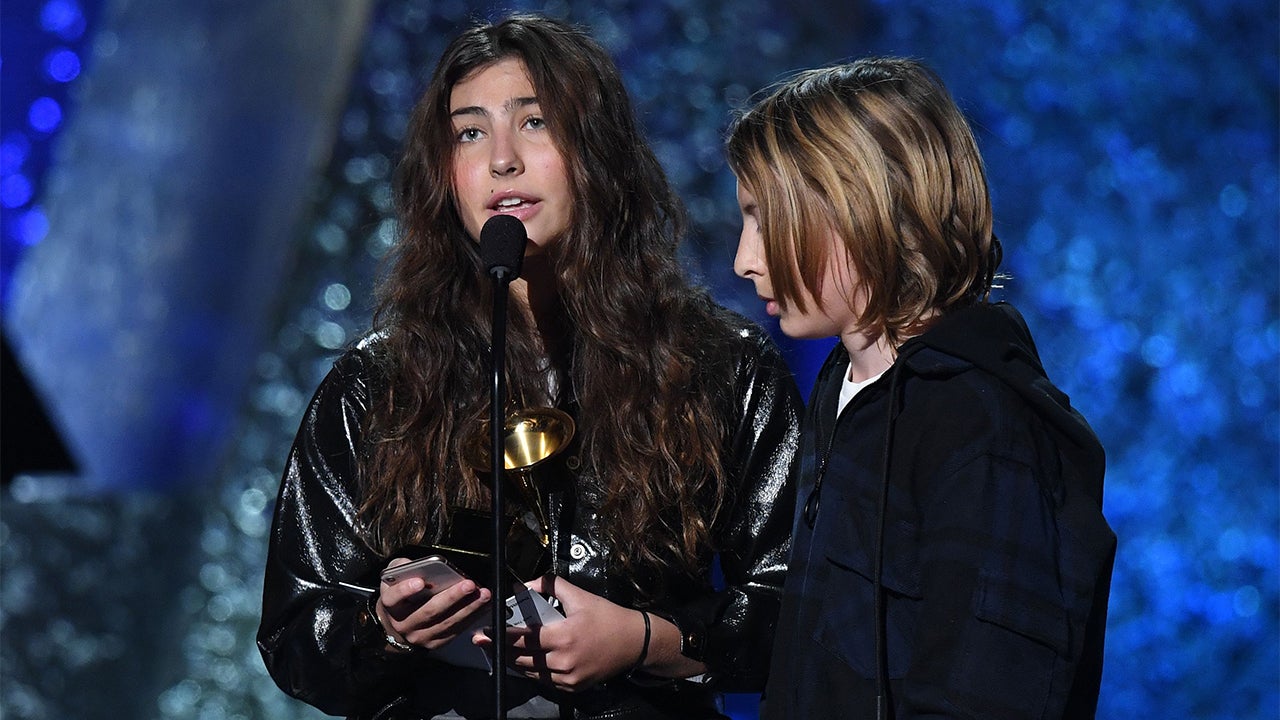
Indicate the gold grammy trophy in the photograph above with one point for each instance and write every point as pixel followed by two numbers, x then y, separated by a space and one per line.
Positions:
pixel 531 437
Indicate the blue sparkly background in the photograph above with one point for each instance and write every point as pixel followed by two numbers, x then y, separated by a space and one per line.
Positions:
pixel 195 200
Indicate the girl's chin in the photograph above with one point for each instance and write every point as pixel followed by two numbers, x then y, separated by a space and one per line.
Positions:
pixel 539 246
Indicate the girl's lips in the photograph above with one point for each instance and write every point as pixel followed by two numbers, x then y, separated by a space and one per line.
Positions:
pixel 524 211
pixel 509 199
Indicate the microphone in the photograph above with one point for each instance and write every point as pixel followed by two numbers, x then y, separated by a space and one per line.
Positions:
pixel 502 241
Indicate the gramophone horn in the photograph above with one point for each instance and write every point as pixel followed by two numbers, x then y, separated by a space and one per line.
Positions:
pixel 530 437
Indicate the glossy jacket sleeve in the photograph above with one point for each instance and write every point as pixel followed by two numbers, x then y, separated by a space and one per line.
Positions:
pixel 310 624
pixel 733 630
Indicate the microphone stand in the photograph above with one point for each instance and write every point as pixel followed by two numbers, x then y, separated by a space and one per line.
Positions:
pixel 501 290
pixel 502 243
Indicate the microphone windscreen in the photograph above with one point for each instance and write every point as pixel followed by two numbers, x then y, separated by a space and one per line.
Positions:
pixel 502 241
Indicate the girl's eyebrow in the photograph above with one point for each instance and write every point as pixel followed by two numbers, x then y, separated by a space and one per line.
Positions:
pixel 509 106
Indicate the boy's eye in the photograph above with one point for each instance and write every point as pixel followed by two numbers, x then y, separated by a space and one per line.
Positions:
pixel 535 123
pixel 469 135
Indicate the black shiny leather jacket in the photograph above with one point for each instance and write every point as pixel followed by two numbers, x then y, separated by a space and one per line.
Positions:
pixel 321 644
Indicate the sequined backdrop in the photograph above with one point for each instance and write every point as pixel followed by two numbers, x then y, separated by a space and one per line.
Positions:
pixel 195 200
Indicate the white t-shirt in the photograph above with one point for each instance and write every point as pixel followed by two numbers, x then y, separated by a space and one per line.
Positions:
pixel 849 388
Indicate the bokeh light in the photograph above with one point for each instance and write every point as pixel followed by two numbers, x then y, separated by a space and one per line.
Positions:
pixel 1132 150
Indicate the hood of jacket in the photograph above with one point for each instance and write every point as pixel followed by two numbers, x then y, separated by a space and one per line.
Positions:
pixel 994 338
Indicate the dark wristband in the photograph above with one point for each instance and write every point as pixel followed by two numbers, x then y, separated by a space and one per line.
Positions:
pixel 644 649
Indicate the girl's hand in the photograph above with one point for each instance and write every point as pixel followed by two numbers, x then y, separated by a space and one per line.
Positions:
pixel 415 616
pixel 597 639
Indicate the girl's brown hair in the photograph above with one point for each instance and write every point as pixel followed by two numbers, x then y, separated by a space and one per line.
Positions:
pixel 650 430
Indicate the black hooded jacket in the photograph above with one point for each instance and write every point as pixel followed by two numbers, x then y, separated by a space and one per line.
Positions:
pixel 965 485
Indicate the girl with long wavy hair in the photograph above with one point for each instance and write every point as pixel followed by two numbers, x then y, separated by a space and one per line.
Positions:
pixel 685 421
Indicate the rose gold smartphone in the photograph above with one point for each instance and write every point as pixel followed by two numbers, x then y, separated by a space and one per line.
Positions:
pixel 434 570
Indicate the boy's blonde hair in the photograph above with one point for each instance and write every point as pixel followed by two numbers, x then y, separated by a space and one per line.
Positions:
pixel 877 151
